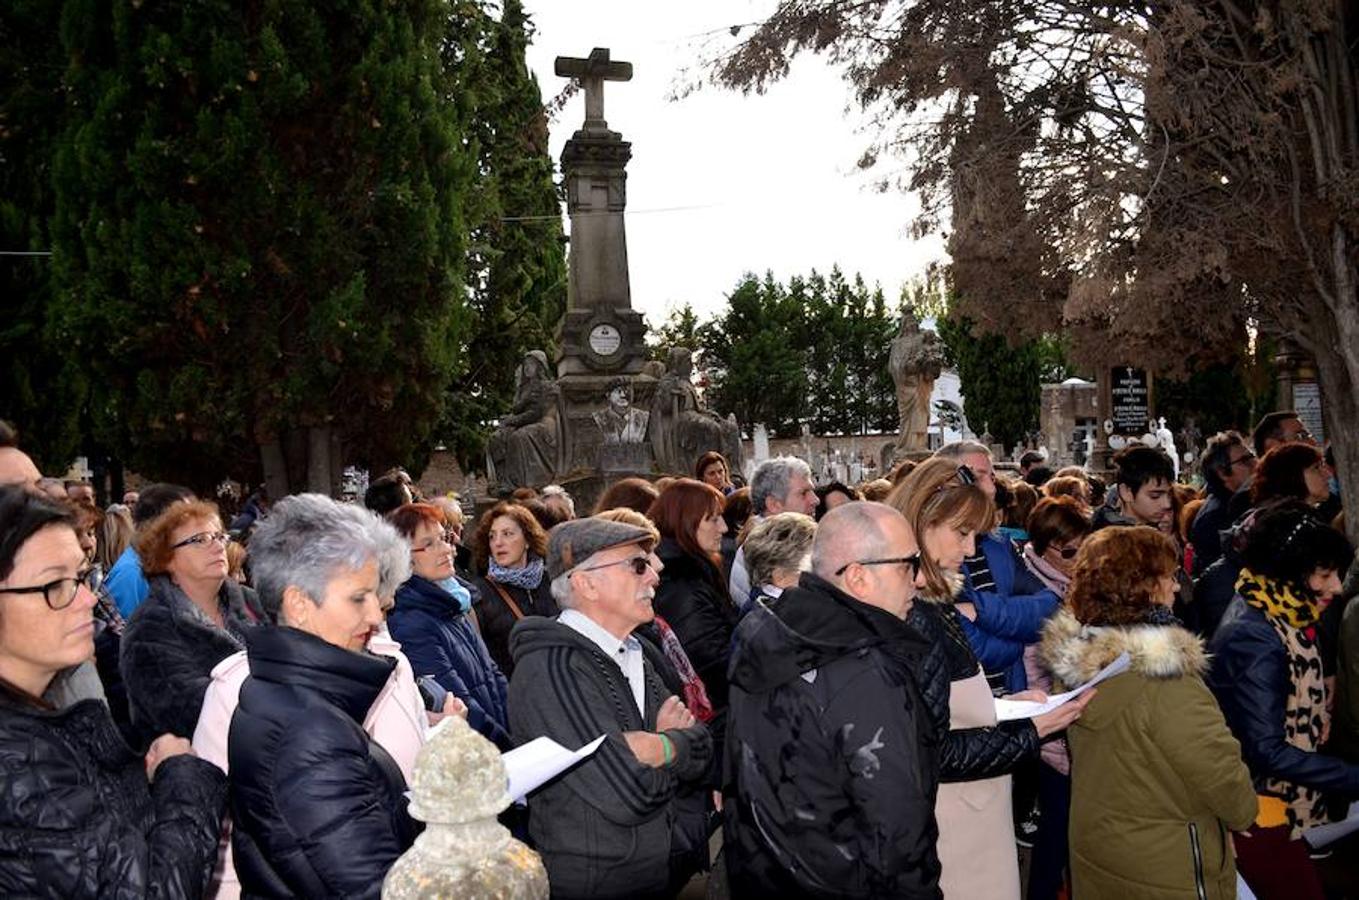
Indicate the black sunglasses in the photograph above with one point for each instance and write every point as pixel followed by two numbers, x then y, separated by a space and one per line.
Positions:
pixel 639 564
pixel 913 561
pixel 1068 552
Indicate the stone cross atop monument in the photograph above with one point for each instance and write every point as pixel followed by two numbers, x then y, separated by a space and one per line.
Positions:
pixel 601 333
pixel 592 72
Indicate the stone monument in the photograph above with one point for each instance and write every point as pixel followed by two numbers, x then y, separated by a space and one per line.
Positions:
pixel 916 360
pixel 682 427
pixel 610 412
pixel 458 788
pixel 527 447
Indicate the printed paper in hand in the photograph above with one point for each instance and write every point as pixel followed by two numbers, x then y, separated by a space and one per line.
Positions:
pixel 1027 709
pixel 539 761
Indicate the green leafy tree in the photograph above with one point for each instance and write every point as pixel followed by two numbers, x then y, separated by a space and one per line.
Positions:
pixel 754 367
pixel 517 260
pixel 41 388
pixel 847 341
pixel 1000 382
pixel 259 231
pixel 680 329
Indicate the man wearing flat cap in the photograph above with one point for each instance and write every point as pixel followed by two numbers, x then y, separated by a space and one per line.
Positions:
pixel 604 828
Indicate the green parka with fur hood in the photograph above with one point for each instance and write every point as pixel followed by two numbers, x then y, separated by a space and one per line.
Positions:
pixel 1157 778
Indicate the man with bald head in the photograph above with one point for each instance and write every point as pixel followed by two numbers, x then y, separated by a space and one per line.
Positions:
pixel 831 766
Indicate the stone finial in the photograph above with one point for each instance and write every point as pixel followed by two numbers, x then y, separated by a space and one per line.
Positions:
pixel 458 786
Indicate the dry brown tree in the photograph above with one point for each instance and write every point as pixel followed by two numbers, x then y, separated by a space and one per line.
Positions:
pixel 1158 179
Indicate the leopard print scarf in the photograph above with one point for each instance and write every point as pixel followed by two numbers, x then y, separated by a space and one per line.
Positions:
pixel 1293 618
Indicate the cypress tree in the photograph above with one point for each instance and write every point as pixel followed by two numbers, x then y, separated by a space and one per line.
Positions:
pixel 518 263
pixel 259 231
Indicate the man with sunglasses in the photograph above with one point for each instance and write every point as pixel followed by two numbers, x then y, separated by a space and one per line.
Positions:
pixel 832 765
pixel 604 829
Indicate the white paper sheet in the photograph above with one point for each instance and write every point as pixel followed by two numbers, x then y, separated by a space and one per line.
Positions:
pixel 1027 709
pixel 539 761
pixel 1319 836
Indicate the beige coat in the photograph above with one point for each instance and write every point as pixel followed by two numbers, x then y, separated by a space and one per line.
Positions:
pixel 976 830
pixel 1157 780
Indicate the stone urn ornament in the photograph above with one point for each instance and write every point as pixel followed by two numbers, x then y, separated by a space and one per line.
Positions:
pixel 458 788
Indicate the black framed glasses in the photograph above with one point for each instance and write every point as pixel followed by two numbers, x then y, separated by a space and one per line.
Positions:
pixel 1068 552
pixel 913 561
pixel 203 539
pixel 60 592
pixel 639 565
pixel 965 478
pixel 1241 460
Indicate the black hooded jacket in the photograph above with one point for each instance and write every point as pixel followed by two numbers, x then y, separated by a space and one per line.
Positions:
pixel 77 818
pixel 832 753
pixel 318 807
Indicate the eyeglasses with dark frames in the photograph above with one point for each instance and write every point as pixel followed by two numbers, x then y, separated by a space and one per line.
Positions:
pixel 1068 552
pixel 60 592
pixel 203 538
pixel 913 561
pixel 639 564
pixel 1241 460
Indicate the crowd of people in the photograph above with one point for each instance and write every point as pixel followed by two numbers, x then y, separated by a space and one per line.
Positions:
pixel 193 707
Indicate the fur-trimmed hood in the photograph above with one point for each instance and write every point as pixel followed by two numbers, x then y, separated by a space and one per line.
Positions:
pixel 956 583
pixel 1074 653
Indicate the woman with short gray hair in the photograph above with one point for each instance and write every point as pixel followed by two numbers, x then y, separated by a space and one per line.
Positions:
pixel 317 805
pixel 777 550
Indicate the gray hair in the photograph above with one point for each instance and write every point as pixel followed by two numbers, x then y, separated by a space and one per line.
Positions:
pixel 958 449
pixel 778 542
pixel 560 494
pixel 309 539
pixel 849 533
pixel 393 552
pixel 773 478
pixel 562 592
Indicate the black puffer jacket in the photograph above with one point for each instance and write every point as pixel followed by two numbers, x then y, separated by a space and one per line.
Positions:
pixel 1251 679
pixel 832 756
pixel 700 613
pixel 318 806
pixel 168 651
pixel 972 753
pixel 77 818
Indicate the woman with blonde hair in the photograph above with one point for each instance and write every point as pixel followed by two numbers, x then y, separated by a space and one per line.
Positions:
pixel 946 509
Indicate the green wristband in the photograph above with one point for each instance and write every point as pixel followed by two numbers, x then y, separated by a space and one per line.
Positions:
pixel 667 749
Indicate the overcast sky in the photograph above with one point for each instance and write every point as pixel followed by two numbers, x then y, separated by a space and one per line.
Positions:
pixel 720 183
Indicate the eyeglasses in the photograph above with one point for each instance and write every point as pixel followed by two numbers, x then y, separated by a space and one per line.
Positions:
pixel 446 540
pixel 59 593
pixel 1068 552
pixel 203 538
pixel 913 561
pixel 1241 460
pixel 966 478
pixel 639 564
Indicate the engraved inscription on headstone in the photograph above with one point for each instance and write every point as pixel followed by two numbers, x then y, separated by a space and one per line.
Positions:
pixel 1307 404
pixel 1130 395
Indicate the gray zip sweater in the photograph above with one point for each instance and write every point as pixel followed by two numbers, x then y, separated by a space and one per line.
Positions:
pixel 603 829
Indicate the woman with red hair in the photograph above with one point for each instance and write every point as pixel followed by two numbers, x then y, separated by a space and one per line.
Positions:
pixel 692 596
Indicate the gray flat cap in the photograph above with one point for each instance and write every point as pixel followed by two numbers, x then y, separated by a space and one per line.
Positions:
pixel 573 542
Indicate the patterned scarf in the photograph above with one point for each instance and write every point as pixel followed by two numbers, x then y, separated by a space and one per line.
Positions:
pixel 526 576
pixel 1294 620
pixel 695 693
